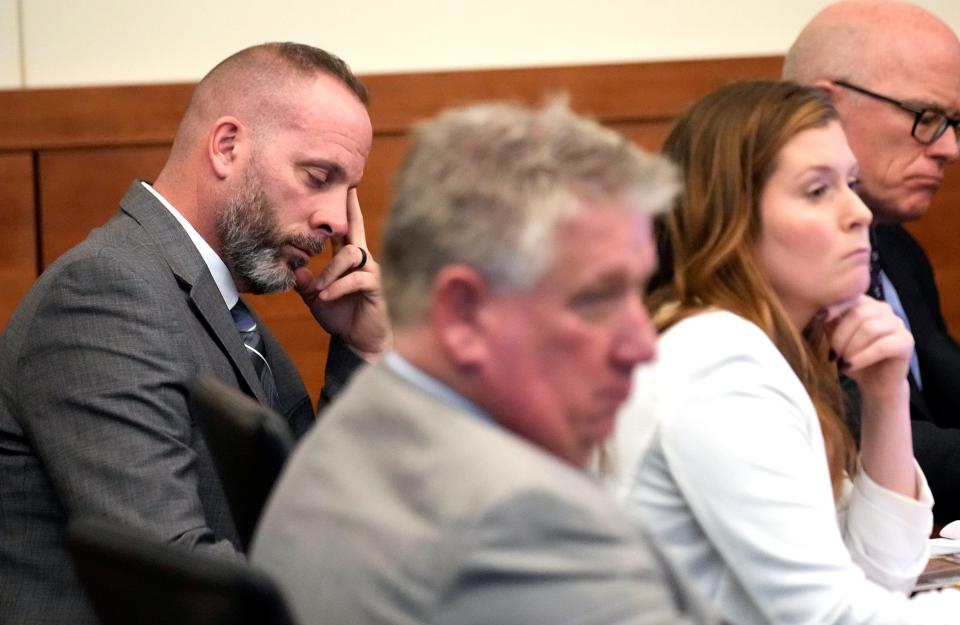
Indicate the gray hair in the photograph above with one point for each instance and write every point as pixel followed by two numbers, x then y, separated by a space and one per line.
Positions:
pixel 487 184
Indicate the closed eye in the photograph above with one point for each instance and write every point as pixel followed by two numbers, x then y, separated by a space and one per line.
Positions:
pixel 317 178
pixel 817 192
pixel 598 302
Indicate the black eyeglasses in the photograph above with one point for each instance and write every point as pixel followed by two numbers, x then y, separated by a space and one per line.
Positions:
pixel 928 124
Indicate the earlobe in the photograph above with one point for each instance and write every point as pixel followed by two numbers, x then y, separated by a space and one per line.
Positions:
pixel 224 145
pixel 459 295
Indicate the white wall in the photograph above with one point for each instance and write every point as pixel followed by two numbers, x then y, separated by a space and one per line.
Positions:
pixel 85 42
pixel 9 46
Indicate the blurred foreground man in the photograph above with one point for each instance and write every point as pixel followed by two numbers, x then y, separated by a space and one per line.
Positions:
pixel 446 483
pixel 892 70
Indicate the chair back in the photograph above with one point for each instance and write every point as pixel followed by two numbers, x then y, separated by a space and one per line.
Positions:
pixel 132 578
pixel 249 444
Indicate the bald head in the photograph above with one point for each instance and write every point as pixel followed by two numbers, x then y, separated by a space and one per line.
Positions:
pixel 258 85
pixel 858 40
pixel 882 64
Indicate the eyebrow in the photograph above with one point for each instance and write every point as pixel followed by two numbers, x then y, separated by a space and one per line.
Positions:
pixel 927 105
pixel 828 170
pixel 618 279
pixel 932 106
pixel 332 167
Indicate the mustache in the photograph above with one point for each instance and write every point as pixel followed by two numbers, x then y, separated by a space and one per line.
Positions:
pixel 311 245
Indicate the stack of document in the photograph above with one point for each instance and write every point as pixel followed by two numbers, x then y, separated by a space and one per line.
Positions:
pixel 949 541
pixel 943 569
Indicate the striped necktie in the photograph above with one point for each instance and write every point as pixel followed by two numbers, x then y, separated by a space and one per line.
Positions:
pixel 253 341
pixel 876 291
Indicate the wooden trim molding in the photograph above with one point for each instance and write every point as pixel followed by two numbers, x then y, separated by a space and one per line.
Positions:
pixel 42 119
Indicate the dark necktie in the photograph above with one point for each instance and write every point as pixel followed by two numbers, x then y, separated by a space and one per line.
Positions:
pixel 252 340
pixel 875 290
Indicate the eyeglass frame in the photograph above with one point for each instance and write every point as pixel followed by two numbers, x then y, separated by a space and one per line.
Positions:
pixel 918 113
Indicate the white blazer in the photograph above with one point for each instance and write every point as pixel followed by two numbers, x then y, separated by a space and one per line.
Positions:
pixel 719 449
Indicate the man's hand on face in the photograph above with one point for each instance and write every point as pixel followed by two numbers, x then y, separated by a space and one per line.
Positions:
pixel 346 297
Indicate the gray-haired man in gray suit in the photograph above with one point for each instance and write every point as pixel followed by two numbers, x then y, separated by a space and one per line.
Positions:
pixel 446 483
pixel 95 363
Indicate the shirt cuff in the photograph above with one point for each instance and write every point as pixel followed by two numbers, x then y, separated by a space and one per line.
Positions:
pixel 888 532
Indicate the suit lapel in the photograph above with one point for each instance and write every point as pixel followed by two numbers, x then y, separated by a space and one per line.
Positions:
pixel 194 277
pixel 898 269
pixel 918 404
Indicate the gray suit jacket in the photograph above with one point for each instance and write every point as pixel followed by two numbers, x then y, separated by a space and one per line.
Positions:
pixel 400 509
pixel 94 417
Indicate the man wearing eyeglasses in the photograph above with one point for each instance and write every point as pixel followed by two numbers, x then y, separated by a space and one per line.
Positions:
pixel 893 72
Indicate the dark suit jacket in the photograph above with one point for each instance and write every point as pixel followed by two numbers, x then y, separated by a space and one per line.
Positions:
pixel 94 418
pixel 936 410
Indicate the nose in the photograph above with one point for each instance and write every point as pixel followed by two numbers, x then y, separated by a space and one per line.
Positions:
pixel 329 213
pixel 946 148
pixel 857 214
pixel 636 339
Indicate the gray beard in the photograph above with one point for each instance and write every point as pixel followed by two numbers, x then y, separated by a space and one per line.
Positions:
pixel 250 242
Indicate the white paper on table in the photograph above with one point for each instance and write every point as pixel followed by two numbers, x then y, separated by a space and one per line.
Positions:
pixel 944 546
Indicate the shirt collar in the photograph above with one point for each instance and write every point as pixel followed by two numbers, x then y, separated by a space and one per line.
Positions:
pixel 426 382
pixel 221 275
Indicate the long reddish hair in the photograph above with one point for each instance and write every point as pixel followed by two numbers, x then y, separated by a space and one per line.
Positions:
pixel 727 145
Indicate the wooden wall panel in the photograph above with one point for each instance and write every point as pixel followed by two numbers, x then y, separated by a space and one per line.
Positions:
pixel 91 116
pixel 648 135
pixel 939 234
pixel 81 189
pixel 621 92
pixel 18 241
pixel 376 191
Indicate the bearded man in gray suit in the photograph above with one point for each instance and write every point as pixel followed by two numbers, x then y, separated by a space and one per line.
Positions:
pixel 95 363
pixel 446 484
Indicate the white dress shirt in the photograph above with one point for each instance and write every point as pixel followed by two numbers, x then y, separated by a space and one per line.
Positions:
pixel 221 275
